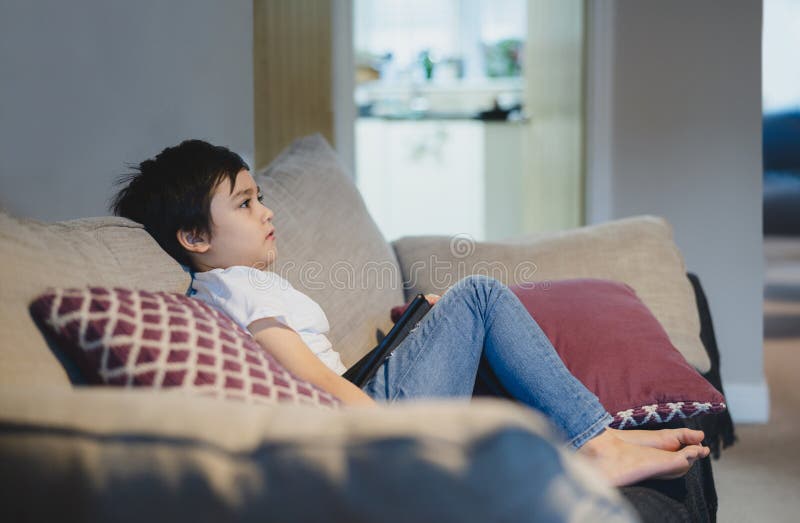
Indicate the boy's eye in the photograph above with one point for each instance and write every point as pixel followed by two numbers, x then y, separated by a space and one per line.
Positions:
pixel 259 197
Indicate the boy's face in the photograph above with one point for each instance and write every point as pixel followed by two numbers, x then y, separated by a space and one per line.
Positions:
pixel 241 228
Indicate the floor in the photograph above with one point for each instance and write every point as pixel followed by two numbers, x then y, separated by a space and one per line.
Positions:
pixel 758 479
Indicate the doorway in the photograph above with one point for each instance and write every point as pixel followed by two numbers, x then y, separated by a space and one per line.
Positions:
pixel 469 115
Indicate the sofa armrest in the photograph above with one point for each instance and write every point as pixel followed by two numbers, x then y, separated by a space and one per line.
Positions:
pixel 719 428
pixel 112 454
pixel 638 251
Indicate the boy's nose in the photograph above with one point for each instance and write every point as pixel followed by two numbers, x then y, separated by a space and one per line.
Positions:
pixel 268 214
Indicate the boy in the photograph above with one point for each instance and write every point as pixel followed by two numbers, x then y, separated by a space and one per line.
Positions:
pixel 203 207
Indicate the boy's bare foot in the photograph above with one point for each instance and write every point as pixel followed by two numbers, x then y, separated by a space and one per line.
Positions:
pixel 624 463
pixel 664 439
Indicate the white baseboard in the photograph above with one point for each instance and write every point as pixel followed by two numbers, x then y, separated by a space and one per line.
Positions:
pixel 748 402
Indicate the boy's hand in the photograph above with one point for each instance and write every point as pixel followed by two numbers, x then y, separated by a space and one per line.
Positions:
pixel 432 298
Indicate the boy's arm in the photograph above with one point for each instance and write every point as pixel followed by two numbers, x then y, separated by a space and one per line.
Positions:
pixel 288 348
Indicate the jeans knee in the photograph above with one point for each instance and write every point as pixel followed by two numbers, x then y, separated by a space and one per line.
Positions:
pixel 480 281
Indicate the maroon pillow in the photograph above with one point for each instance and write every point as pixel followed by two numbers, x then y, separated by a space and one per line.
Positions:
pixel 166 340
pixel 614 345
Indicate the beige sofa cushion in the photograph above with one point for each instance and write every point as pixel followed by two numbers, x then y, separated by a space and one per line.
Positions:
pixel 104 251
pixel 117 455
pixel 328 246
pixel 638 251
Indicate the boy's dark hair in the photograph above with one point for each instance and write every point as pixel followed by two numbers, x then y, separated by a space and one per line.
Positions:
pixel 173 191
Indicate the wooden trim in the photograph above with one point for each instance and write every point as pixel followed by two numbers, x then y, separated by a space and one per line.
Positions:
pixel 554 98
pixel 291 72
pixel 599 189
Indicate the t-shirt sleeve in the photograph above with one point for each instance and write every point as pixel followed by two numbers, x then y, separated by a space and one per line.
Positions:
pixel 247 295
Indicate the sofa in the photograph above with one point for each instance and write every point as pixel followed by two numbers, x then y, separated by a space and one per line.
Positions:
pixel 73 451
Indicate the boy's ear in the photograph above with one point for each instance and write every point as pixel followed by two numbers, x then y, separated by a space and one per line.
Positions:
pixel 193 241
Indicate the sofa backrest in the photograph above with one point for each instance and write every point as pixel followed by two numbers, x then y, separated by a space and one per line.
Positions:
pixel 328 245
pixel 106 251
pixel 639 251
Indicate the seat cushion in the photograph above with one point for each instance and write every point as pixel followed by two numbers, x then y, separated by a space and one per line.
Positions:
pixel 35 255
pixel 96 454
pixel 328 246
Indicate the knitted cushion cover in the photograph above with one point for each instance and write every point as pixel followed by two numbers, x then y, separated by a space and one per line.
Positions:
pixel 613 344
pixel 135 338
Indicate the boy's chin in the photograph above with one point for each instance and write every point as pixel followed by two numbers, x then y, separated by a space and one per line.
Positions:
pixel 267 263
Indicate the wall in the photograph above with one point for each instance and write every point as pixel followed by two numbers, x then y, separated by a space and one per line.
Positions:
pixel 674 129
pixel 90 86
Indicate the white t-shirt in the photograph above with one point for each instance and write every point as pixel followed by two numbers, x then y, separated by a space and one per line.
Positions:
pixel 247 294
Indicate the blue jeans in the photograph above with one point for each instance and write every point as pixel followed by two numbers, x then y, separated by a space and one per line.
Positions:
pixel 479 335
